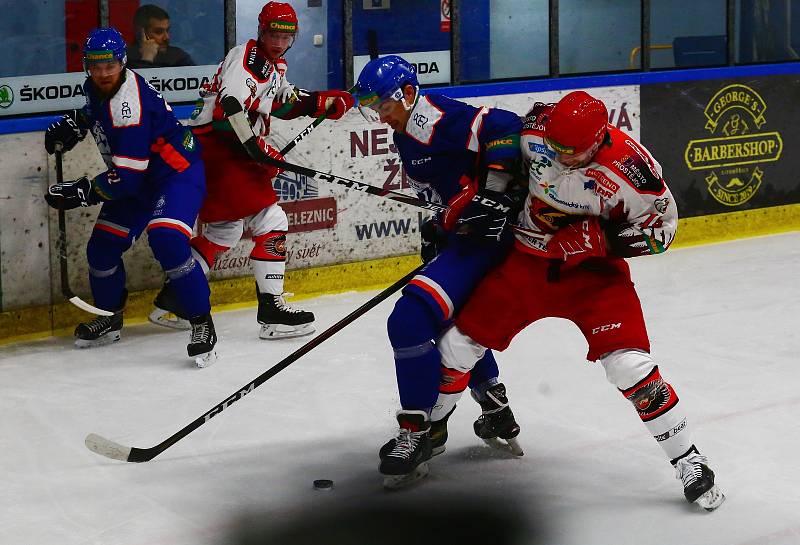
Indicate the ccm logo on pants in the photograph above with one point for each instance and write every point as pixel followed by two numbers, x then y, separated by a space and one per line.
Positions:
pixel 607 327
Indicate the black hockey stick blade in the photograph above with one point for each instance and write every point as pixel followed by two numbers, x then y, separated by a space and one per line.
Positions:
pixel 111 449
pixel 66 291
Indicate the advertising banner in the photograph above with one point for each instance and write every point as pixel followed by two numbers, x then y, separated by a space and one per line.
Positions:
pixel 55 92
pixel 725 145
pixel 327 224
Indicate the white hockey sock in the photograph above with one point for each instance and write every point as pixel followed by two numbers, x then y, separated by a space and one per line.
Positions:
pixel 269 275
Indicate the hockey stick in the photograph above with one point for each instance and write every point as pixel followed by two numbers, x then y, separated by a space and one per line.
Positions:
pixel 305 132
pixel 62 250
pixel 111 449
pixel 244 131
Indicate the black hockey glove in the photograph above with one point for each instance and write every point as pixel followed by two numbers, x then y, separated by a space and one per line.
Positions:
pixel 69 130
pixel 434 239
pixel 69 195
pixel 486 215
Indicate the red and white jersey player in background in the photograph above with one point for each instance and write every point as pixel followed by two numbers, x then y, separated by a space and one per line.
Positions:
pixel 241 197
pixel 596 196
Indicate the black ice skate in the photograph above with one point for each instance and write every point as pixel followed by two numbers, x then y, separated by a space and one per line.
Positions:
pixel 405 461
pixel 497 426
pixel 100 331
pixel 201 345
pixel 280 321
pixel 439 434
pixel 167 312
pixel 698 480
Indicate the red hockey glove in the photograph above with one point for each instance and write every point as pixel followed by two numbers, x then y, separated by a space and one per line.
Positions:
pixel 459 202
pixel 333 103
pixel 272 153
pixel 578 241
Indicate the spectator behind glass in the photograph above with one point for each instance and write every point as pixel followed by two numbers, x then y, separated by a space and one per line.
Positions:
pixel 151 47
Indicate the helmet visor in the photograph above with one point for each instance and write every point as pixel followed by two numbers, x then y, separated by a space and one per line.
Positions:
pixel 372 106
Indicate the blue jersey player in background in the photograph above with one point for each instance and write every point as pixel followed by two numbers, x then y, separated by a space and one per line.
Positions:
pixel 155 182
pixel 451 152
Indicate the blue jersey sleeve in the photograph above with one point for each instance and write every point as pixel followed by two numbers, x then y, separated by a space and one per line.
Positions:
pixel 500 140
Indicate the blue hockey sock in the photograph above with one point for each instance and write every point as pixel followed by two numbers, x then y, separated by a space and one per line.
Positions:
pixel 106 269
pixel 412 328
pixel 186 278
pixel 484 374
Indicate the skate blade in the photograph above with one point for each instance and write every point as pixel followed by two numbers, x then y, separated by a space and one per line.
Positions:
pixel 164 318
pixel 272 332
pixel 108 338
pixel 711 499
pixel 396 482
pixel 206 360
pixel 506 445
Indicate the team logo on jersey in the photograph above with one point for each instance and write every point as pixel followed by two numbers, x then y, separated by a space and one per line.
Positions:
pixel 736 152
pixel 188 141
pixel 252 86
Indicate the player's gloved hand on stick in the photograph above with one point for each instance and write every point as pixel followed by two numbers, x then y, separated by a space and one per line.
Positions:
pixel 272 153
pixel 486 216
pixel 69 195
pixel 578 241
pixel 433 238
pixel 338 102
pixel 69 130
pixel 629 240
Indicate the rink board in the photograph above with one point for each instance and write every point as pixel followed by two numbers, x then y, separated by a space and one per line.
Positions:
pixel 338 240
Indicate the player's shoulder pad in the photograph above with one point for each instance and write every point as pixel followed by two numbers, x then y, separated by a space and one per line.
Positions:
pixel 126 105
pixel 255 62
pixel 534 120
pixel 631 162
pixel 424 118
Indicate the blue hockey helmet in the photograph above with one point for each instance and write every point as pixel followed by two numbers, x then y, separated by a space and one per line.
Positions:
pixel 383 79
pixel 104 45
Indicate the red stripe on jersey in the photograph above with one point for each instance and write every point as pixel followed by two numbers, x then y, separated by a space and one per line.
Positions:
pixel 435 295
pixel 155 224
pixel 170 155
pixel 112 230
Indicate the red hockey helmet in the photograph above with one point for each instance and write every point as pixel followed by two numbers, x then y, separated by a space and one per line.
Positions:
pixel 277 17
pixel 578 122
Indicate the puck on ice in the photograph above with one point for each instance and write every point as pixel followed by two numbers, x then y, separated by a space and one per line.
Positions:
pixel 323 484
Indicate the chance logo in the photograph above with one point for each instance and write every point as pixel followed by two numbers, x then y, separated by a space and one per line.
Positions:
pixel 6 96
pixel 735 154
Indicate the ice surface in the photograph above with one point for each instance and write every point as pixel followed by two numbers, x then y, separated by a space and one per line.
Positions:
pixel 723 321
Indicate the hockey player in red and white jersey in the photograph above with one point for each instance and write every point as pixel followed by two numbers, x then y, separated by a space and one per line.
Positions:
pixel 596 196
pixel 240 195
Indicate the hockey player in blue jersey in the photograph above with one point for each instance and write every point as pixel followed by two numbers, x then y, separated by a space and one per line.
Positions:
pixel 155 182
pixel 451 152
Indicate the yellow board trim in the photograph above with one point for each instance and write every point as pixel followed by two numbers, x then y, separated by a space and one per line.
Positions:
pixel 60 319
